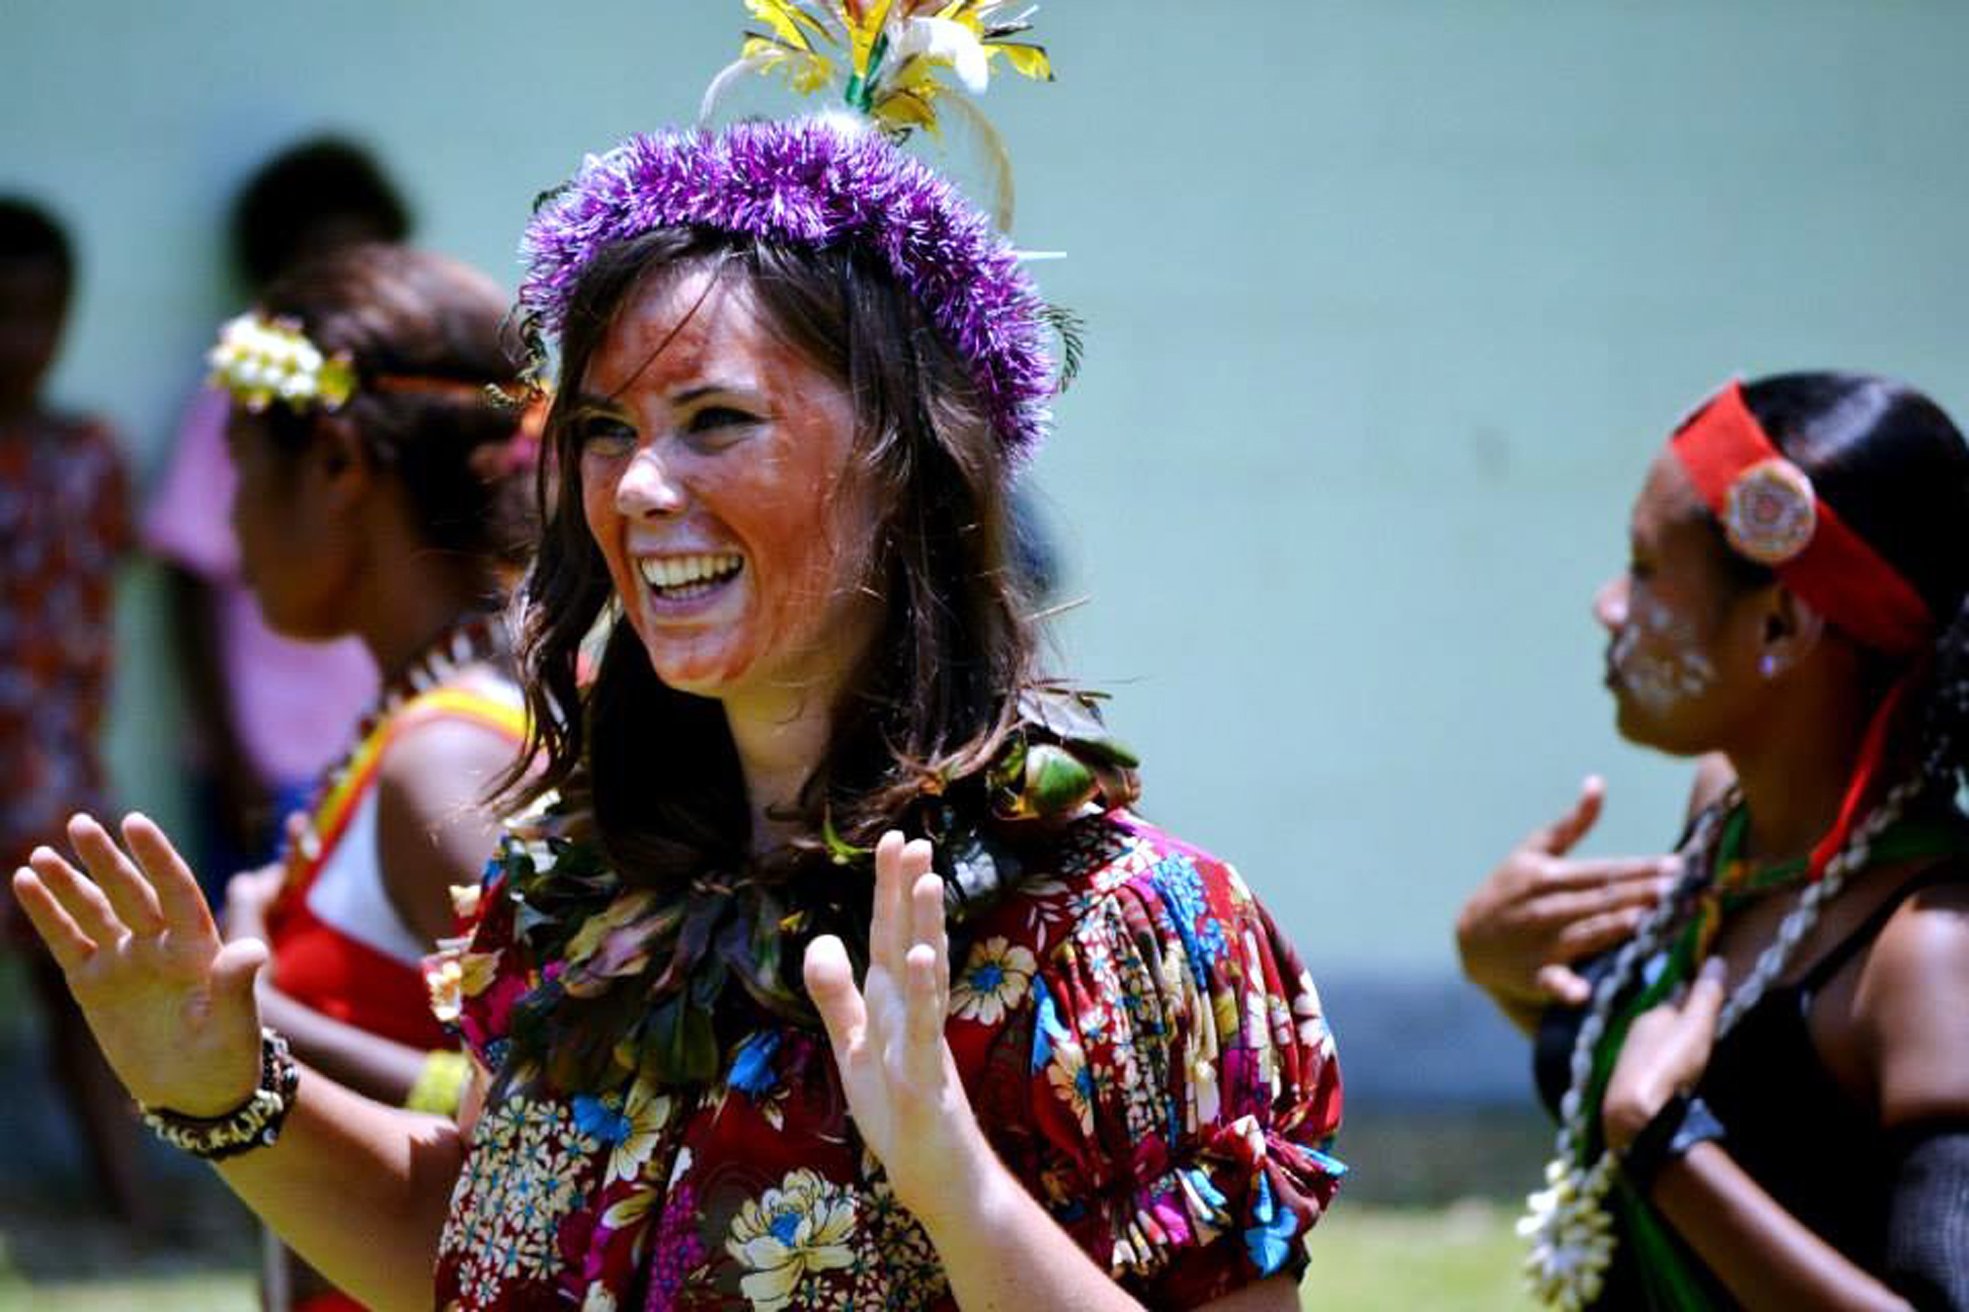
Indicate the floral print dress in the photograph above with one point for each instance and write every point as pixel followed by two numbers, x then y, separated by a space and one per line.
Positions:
pixel 64 529
pixel 1144 1050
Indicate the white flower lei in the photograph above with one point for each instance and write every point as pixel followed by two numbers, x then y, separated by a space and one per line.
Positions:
pixel 1569 1228
pixel 260 360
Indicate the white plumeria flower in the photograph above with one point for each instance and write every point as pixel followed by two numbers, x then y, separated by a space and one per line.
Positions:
pixel 1571 1234
pixel 946 41
pixel 259 360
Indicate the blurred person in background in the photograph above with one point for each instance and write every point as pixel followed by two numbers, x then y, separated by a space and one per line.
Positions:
pixel 1757 1049
pixel 64 528
pixel 267 711
pixel 382 494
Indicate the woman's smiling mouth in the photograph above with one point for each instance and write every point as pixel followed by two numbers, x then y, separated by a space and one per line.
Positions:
pixel 686 578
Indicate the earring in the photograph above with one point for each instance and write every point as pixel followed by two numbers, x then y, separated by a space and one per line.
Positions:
pixel 1767 665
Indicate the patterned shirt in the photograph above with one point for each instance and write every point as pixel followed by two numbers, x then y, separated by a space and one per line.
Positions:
pixel 1144 1050
pixel 64 525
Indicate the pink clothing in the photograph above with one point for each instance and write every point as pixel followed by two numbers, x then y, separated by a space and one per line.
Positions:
pixel 293 703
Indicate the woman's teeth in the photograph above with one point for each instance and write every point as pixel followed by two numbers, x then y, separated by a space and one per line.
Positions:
pixel 684 576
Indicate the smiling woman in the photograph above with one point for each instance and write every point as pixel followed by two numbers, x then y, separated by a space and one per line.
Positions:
pixel 795 491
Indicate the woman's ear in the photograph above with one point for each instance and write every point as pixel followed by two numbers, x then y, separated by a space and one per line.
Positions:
pixel 340 459
pixel 1792 629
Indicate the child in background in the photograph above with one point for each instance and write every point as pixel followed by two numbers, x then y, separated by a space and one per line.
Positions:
pixel 64 526
pixel 267 712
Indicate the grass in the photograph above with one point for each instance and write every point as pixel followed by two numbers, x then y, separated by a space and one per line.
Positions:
pixel 197 1293
pixel 1462 1256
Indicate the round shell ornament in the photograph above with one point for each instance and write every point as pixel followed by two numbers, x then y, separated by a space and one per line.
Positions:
pixel 1770 512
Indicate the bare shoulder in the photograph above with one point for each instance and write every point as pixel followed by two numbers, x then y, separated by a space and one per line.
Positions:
pixel 1912 1000
pixel 434 827
pixel 453 743
pixel 444 758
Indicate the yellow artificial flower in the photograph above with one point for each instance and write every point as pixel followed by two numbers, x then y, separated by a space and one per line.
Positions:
pixel 865 22
pixel 476 971
pixel 443 979
pixel 465 900
pixel 895 51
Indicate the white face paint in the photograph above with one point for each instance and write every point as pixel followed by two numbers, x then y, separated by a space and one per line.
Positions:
pixel 1658 658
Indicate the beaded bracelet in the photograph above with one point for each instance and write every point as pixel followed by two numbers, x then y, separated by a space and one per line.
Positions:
pixel 1683 1122
pixel 255 1123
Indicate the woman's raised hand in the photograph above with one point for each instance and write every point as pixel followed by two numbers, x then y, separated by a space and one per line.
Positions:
pixel 898 1073
pixel 170 1004
pixel 1540 911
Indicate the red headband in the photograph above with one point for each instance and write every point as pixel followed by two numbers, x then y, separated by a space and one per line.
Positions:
pixel 1771 515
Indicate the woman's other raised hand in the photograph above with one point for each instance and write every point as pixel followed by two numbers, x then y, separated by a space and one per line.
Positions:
pixel 1541 911
pixel 888 1035
pixel 169 1001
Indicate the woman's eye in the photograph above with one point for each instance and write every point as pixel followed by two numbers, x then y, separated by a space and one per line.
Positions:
pixel 714 418
pixel 599 433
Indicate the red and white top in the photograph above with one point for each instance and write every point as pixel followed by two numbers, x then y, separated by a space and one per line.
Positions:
pixel 339 944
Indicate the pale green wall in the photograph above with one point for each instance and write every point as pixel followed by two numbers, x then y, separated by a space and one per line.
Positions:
pixel 1390 303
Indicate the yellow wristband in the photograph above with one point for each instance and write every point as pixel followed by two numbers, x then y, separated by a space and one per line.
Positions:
pixel 440 1084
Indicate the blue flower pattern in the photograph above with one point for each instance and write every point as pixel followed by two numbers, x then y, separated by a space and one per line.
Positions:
pixel 1270 1241
pixel 601 1119
pixel 752 1067
pixel 1046 1029
pixel 1189 915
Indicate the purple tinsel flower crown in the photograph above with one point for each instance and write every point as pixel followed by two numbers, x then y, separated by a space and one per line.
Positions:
pixel 814 181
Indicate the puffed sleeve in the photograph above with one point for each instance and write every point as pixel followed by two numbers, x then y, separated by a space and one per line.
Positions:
pixel 1183 1084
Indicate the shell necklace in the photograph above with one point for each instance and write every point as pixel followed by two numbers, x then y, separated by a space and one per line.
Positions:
pixel 1567 1223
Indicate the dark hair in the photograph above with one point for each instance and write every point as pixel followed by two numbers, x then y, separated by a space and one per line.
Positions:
pixel 1896 469
pixel 935 695
pixel 30 233
pixel 432 331
pixel 315 183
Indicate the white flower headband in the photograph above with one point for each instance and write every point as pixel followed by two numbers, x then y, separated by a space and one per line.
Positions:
pixel 259 361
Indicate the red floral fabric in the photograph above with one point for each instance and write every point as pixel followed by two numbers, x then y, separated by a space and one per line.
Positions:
pixel 1144 1049
pixel 64 527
